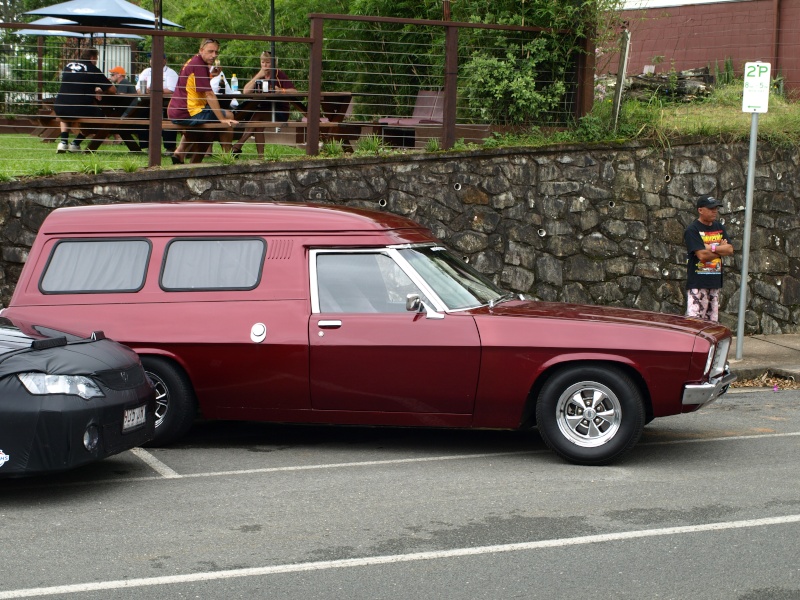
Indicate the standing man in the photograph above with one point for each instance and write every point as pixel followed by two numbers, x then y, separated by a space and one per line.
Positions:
pixel 706 243
pixel 195 103
pixel 169 83
pixel 82 83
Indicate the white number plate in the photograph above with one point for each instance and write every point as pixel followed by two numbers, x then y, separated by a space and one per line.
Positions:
pixel 134 417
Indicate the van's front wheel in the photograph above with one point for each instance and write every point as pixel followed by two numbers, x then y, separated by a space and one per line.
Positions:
pixel 590 415
pixel 176 404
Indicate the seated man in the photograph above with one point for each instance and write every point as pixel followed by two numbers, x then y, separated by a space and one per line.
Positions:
pixel 81 85
pixel 169 83
pixel 195 103
pixel 269 110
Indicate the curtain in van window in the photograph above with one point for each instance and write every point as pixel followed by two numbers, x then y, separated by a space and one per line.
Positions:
pixel 213 264
pixel 96 266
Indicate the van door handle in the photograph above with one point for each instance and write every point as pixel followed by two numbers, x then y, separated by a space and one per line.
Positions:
pixel 330 324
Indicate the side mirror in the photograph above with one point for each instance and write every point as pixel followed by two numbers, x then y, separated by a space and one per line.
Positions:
pixel 415 304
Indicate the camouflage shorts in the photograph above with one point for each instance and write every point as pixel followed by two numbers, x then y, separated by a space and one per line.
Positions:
pixel 702 304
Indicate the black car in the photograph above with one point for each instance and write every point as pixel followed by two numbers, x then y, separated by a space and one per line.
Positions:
pixel 67 401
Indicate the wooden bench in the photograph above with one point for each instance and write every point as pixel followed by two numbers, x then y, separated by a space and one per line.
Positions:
pixel 98 129
pixel 45 127
pixel 428 110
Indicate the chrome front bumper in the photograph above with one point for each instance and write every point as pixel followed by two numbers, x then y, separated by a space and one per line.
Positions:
pixel 703 393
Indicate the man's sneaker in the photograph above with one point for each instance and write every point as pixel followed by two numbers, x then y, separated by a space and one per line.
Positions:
pixel 73 147
pixel 61 148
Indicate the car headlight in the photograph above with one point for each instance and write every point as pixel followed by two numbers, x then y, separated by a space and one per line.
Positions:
pixel 717 358
pixel 72 385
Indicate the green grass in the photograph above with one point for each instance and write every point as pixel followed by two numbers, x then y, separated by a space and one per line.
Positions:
pixel 718 118
pixel 23 156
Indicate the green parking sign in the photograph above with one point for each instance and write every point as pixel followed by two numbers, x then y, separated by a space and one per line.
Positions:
pixel 757 82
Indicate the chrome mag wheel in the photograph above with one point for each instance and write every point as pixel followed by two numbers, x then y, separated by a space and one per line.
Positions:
pixel 588 414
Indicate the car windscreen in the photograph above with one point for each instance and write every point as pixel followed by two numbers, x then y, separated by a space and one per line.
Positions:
pixel 456 283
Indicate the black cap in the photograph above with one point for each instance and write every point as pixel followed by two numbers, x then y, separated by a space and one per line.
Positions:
pixel 707 201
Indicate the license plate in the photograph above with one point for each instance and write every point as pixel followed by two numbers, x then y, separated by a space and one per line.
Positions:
pixel 134 417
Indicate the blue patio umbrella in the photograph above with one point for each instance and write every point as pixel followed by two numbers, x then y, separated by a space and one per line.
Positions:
pixel 55 22
pixel 100 13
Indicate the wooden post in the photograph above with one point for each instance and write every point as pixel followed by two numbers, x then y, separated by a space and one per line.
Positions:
pixel 586 66
pixel 314 87
pixel 156 100
pixel 450 86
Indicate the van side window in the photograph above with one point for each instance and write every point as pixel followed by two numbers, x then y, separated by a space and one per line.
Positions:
pixel 362 283
pixel 85 266
pixel 213 264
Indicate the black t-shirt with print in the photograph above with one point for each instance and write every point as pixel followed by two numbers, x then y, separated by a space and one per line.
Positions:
pixel 76 96
pixel 699 274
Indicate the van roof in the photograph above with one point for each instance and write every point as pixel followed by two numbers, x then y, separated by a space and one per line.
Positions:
pixel 186 217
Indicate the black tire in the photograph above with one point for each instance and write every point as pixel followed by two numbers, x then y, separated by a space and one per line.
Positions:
pixel 604 394
pixel 176 405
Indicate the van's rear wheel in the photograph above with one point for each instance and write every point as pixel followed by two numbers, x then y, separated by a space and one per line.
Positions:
pixel 176 404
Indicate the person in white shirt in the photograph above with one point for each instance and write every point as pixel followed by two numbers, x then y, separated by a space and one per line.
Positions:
pixel 221 85
pixel 170 82
pixel 170 78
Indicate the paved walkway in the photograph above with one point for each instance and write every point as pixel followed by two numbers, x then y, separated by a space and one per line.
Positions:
pixel 779 354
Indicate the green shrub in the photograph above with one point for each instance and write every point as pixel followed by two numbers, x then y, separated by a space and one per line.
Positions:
pixel 332 148
pixel 370 144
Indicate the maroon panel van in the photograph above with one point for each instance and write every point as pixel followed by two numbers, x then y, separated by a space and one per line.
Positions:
pixel 323 314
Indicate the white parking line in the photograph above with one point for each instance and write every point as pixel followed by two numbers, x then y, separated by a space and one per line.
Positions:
pixel 721 439
pixel 165 472
pixel 400 461
pixel 155 464
pixel 392 559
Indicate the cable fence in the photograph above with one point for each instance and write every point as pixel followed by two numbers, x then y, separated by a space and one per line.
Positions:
pixel 355 84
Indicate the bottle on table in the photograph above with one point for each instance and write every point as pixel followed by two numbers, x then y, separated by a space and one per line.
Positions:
pixel 234 83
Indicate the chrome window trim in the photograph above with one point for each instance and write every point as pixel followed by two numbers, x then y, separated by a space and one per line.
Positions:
pixel 391 252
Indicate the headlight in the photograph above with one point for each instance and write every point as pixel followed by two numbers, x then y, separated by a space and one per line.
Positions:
pixel 709 358
pixel 717 357
pixel 72 385
pixel 720 357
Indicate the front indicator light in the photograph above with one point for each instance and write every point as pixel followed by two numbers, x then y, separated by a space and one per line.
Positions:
pixel 41 384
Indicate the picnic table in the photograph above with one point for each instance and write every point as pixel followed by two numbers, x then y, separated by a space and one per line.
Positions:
pixel 251 106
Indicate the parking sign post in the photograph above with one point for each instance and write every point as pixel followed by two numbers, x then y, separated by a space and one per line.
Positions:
pixel 755 100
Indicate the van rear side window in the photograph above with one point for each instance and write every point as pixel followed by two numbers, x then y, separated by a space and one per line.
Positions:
pixel 213 264
pixel 96 266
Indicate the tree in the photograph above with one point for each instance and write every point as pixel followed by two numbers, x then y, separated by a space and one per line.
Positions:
pixel 13 11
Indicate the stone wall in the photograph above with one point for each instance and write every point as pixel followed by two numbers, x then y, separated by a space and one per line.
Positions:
pixel 601 225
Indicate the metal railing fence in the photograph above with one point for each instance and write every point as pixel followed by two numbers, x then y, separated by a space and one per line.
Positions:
pixel 412 83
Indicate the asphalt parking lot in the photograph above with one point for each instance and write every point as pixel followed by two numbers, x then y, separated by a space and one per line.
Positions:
pixel 706 506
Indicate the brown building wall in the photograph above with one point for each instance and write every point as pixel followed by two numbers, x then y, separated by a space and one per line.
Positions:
pixel 701 35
